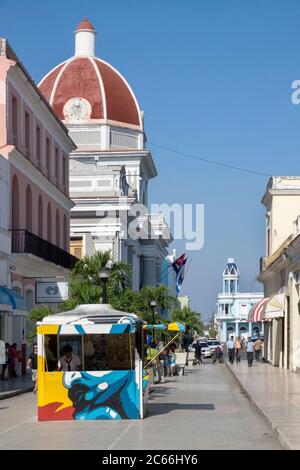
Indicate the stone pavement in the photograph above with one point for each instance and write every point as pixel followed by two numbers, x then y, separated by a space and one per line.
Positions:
pixel 204 409
pixel 10 388
pixel 275 393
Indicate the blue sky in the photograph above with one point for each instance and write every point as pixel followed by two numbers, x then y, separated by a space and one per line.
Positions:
pixel 214 79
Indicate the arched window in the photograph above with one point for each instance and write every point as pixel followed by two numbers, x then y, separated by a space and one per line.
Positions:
pixel 57 226
pixel 65 235
pixel 49 223
pixel 40 216
pixel 28 209
pixel 15 203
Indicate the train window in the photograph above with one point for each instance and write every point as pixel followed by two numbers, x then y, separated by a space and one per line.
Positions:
pixel 109 352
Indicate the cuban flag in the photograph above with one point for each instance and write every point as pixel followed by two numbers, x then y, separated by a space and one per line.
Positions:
pixel 179 267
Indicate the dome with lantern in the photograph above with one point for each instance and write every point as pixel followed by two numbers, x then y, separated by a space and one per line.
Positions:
pixel 86 89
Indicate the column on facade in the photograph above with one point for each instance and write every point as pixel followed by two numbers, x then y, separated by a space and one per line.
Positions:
pixel 236 329
pixel 8 327
pixel 224 331
pixel 250 329
pixel 135 270
pixel 149 274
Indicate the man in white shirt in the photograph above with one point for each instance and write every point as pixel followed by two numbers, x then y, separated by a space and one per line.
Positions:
pixel 249 349
pixel 3 358
pixel 68 362
pixel 230 349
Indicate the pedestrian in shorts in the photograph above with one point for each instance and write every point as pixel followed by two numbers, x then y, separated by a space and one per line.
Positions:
pixel 32 365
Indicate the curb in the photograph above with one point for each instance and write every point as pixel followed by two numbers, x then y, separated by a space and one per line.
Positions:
pixel 282 439
pixel 14 393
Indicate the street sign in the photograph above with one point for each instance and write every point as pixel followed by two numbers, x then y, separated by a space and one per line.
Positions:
pixel 51 292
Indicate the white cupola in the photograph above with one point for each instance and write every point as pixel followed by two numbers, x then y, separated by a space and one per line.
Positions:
pixel 85 36
pixel 231 276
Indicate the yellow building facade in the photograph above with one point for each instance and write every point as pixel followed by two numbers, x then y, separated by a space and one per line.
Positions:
pixel 280 271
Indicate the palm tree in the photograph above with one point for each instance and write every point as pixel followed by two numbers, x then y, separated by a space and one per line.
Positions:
pixel 161 295
pixel 85 285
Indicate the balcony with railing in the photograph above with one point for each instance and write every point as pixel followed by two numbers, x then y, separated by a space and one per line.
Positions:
pixel 25 242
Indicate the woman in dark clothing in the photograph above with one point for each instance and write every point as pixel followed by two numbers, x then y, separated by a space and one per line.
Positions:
pixel 198 349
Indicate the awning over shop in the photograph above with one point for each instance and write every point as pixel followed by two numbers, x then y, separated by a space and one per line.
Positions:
pixel 5 301
pixel 12 298
pixel 274 308
pixel 267 308
pixel 256 312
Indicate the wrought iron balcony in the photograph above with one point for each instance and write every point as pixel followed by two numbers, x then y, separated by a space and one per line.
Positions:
pixel 26 242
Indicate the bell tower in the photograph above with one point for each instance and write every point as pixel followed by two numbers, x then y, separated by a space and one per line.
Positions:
pixel 231 277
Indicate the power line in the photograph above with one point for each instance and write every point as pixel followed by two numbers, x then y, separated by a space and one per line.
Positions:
pixel 212 162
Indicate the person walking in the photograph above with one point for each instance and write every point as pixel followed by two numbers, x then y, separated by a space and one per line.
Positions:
pixel 2 358
pixel 238 349
pixel 230 349
pixel 32 364
pixel 257 348
pixel 250 349
pixel 198 355
pixel 5 370
pixel 14 359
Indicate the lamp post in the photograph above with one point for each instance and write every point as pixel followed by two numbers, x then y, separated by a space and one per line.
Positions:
pixel 153 305
pixel 103 275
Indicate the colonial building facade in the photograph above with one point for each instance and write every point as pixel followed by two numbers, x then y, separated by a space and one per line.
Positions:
pixel 34 192
pixel 111 167
pixel 280 272
pixel 233 307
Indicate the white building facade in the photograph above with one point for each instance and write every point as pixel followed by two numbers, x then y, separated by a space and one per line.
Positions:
pixel 111 167
pixel 233 307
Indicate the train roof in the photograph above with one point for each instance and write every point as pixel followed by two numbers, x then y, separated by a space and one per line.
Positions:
pixel 91 313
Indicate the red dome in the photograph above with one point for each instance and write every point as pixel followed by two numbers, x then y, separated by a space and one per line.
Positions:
pixel 109 95
pixel 85 24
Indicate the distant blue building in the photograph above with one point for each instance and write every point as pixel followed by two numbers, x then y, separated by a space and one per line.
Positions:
pixel 233 306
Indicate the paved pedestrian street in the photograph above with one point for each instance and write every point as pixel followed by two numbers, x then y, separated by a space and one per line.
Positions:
pixel 205 409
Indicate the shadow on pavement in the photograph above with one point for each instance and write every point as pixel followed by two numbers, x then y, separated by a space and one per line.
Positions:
pixel 164 408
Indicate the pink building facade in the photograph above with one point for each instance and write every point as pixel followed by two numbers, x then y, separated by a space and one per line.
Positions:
pixel 36 146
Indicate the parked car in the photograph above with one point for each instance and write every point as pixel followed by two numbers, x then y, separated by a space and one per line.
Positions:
pixel 205 351
pixel 213 344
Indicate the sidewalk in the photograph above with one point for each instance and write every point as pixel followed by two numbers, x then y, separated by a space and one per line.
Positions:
pixel 275 393
pixel 10 388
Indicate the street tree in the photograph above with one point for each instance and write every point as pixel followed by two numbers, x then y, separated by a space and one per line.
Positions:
pixel 163 299
pixel 35 315
pixel 190 317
